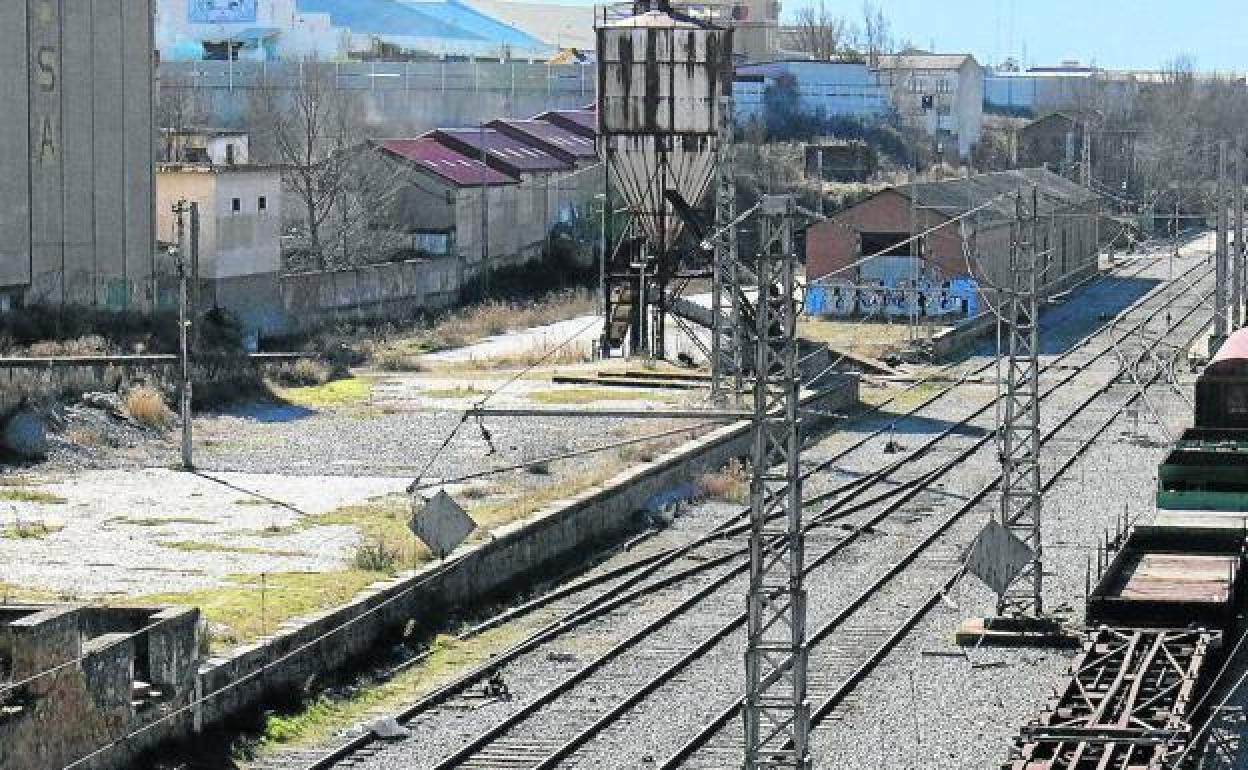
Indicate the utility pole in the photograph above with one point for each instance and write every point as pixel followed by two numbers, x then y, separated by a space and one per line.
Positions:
pixel 485 219
pixel 727 340
pixel 194 301
pixel 180 210
pixel 1020 428
pixel 1220 254
pixel 1237 260
pixel 776 710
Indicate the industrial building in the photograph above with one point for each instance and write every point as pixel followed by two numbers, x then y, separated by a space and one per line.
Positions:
pixel 1070 86
pixel 334 30
pixel 240 207
pixel 535 175
pixel 843 89
pixel 77 150
pixel 955 267
pixel 1057 141
pixel 940 94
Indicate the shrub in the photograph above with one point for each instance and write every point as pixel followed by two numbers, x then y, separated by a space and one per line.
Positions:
pixel 376 558
pixel 730 484
pixel 305 371
pixel 146 406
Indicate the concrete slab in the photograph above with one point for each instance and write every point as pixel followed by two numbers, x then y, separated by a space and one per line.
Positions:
pixel 1015 632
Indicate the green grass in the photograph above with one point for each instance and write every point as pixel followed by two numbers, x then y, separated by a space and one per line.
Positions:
pixel 460 391
pixel 325 716
pixel 349 392
pixel 31 530
pixel 590 395
pixel 196 546
pixel 246 612
pixel 12 593
pixel 27 495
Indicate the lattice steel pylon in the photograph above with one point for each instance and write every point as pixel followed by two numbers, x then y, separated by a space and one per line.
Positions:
pixel 776 711
pixel 1020 418
pixel 727 349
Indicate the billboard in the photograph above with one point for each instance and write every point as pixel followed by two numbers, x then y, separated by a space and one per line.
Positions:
pixel 218 11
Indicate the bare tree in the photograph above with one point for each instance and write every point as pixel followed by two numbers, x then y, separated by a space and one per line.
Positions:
pixel 821 34
pixel 309 127
pixel 877 33
pixel 178 108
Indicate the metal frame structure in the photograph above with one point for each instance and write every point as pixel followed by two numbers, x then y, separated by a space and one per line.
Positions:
pixel 1125 703
pixel 727 348
pixel 776 710
pixel 1020 417
pixel 1221 295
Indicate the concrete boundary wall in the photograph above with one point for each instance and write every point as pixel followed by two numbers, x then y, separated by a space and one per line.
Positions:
pixel 305 650
pixel 366 293
pixel 952 341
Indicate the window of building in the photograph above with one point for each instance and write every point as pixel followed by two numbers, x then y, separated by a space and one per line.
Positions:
pixel 237 205
pixel 262 204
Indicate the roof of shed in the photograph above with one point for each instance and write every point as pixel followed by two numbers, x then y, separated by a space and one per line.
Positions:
pixel 544 133
pixel 435 157
pixel 956 197
pixel 584 121
pixel 502 149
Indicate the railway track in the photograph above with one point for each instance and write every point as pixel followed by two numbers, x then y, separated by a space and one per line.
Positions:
pixel 845 649
pixel 688 587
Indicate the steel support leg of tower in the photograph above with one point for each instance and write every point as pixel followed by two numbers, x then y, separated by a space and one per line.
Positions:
pixel 1221 293
pixel 1020 428
pixel 1237 260
pixel 727 351
pixel 776 711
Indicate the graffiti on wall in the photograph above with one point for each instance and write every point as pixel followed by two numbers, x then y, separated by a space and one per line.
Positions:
pixel 954 298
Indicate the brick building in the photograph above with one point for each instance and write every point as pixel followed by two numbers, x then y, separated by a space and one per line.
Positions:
pixel 955 265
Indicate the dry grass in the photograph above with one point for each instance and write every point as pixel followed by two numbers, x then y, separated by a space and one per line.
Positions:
pixel 146 406
pixel 589 395
pixel 476 323
pixel 303 372
pixel 86 437
pixel 90 345
pixel 545 355
pixel 730 484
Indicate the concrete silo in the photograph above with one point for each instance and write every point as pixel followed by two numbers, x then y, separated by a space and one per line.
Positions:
pixel 77 150
pixel 663 78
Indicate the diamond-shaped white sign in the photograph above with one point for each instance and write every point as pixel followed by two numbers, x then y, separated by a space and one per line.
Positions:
pixel 441 524
pixel 998 556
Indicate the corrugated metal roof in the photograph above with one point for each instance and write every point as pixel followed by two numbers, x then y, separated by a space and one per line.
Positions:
pixel 955 197
pixel 435 157
pixel 505 153
pixel 547 136
pixel 583 122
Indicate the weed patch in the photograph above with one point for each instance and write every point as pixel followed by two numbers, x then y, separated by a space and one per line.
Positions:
pixel 352 391
pixel 146 406
pixel 27 495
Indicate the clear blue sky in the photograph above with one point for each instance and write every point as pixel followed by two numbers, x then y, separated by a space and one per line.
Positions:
pixel 1143 34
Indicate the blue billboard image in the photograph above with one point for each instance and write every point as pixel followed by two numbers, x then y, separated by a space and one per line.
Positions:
pixel 217 11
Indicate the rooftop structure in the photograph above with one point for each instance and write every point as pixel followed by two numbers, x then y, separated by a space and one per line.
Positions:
pixel 583 122
pixel 502 152
pixel 551 138
pixel 428 154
